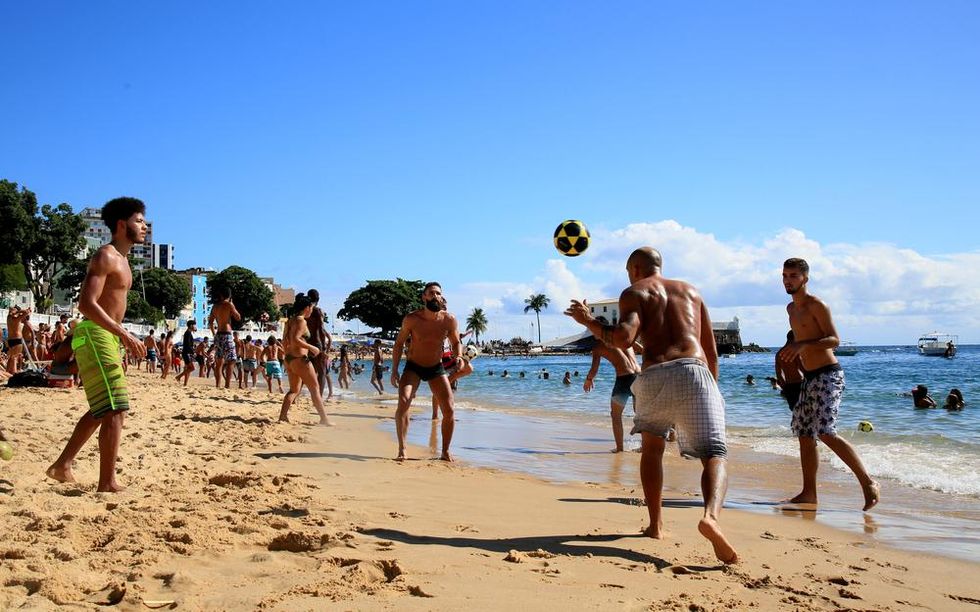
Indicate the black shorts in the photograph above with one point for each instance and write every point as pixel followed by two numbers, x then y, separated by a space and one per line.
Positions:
pixel 187 357
pixel 621 392
pixel 426 373
pixel 791 391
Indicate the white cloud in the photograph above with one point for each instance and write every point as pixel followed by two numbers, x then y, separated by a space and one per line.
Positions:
pixel 878 292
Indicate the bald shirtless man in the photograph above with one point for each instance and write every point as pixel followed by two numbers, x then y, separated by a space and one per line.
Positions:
pixel 677 386
pixel 15 340
pixel 96 343
pixel 219 322
pixel 624 361
pixel 815 412
pixel 427 328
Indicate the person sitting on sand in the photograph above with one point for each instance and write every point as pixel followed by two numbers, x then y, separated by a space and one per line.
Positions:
pixel 299 359
pixel 677 386
pixel 96 343
pixel 954 401
pixel 921 397
pixel 428 328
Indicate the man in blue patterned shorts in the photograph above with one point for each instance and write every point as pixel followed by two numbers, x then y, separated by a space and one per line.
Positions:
pixel 815 413
pixel 677 387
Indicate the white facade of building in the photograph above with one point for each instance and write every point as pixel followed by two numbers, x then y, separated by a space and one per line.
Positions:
pixel 607 309
pixel 163 256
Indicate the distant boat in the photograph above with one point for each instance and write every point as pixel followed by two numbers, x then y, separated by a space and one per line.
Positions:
pixel 938 345
pixel 846 349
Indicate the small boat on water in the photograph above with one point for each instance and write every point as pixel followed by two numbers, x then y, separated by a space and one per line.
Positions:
pixel 846 349
pixel 937 344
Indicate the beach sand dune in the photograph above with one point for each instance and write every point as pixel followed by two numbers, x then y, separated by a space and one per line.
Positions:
pixel 228 510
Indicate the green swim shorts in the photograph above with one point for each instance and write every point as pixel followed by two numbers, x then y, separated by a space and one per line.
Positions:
pixel 100 367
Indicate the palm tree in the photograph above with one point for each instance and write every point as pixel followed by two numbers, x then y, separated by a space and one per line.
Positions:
pixel 537 302
pixel 477 321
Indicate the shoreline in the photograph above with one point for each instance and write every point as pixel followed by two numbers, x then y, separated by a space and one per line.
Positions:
pixel 559 449
pixel 227 509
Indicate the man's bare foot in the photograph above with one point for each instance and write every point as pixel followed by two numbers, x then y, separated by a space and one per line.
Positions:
pixel 871 494
pixel 446 457
pixel 723 550
pixel 802 499
pixel 325 423
pixel 616 450
pixel 657 533
pixel 111 488
pixel 60 474
pixel 283 419
pixel 401 456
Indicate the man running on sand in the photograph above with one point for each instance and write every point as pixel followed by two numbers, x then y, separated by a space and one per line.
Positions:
pixel 676 388
pixel 427 328
pixel 815 413
pixel 96 343
pixel 624 361
pixel 219 322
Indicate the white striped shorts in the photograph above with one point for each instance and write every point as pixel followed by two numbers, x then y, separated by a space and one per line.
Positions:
pixel 684 395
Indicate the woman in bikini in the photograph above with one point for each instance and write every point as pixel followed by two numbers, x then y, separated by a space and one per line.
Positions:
pixel 299 359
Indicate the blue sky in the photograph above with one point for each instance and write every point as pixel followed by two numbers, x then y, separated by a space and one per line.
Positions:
pixel 327 143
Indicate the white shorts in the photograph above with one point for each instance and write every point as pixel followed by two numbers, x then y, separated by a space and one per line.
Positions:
pixel 684 395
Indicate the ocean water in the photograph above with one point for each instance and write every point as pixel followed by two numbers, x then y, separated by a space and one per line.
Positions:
pixel 932 449
pixel 928 461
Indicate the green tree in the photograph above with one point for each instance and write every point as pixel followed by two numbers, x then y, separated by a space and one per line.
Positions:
pixel 165 290
pixel 71 277
pixel 477 321
pixel 139 310
pixel 252 298
pixel 43 244
pixel 383 303
pixel 12 277
pixel 537 302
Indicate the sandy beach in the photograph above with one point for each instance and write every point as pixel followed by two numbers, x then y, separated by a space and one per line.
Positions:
pixel 228 510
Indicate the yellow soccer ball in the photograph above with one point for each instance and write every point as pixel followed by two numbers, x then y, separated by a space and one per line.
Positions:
pixel 571 238
pixel 865 426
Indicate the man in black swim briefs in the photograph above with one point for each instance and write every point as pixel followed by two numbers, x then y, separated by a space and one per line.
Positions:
pixel 427 328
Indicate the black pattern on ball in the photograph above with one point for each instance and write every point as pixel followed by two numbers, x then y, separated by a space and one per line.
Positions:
pixel 571 238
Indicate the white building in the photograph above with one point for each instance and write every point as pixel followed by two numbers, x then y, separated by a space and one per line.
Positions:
pixel 163 256
pixel 607 309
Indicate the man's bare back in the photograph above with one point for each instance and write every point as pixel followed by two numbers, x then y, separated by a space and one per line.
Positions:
pixel 222 315
pixel 671 321
pixel 623 360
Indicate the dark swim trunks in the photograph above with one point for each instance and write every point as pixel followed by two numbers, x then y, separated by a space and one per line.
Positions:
pixel 621 392
pixel 815 413
pixel 791 392
pixel 423 372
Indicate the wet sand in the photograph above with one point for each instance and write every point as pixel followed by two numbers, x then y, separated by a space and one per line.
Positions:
pixel 228 510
